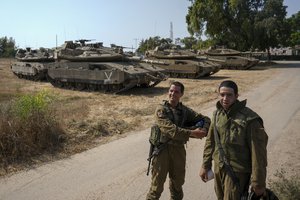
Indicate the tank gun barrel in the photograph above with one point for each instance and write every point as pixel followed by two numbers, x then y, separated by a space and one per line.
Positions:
pixel 139 59
pixel 154 61
pixel 118 46
pixel 83 41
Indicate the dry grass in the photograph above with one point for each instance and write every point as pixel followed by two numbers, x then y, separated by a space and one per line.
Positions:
pixel 27 129
pixel 91 118
pixel 284 186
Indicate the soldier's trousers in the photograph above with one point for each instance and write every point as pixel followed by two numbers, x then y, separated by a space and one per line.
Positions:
pixel 170 161
pixel 225 188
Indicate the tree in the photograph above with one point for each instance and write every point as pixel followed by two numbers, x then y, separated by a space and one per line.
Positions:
pixel 152 42
pixel 189 42
pixel 294 30
pixel 269 24
pixel 7 47
pixel 236 23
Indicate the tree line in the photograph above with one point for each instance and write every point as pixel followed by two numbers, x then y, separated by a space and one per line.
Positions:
pixel 7 47
pixel 238 24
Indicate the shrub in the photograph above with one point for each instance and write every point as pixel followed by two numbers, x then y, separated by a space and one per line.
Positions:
pixel 28 128
pixel 28 105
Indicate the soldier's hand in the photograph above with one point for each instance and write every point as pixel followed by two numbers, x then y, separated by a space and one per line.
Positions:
pixel 259 191
pixel 203 174
pixel 199 133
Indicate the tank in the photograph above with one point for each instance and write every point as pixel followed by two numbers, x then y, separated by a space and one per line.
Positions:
pixel 93 67
pixel 180 63
pixel 230 59
pixel 32 64
pixel 114 76
pixel 170 52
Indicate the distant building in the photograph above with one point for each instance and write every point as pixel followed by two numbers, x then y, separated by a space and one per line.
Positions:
pixel 296 50
pixel 282 51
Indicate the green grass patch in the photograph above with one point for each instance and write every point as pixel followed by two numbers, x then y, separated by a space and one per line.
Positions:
pixel 28 128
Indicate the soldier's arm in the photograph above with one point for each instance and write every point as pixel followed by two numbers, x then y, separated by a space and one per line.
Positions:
pixel 258 146
pixel 168 128
pixel 193 117
pixel 208 149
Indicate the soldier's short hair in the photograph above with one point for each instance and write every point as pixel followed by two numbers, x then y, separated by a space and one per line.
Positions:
pixel 229 84
pixel 179 84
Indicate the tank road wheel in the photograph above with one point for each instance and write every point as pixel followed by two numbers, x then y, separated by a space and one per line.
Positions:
pixel 35 77
pixel 92 87
pixel 68 85
pixel 116 88
pixel 57 83
pixel 80 86
pixel 183 76
pixel 102 87
pixel 191 76
pixel 113 88
pixel 172 75
pixel 175 75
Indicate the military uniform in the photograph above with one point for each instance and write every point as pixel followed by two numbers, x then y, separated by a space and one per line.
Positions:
pixel 171 123
pixel 244 141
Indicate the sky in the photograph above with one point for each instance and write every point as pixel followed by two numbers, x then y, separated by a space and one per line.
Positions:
pixel 37 23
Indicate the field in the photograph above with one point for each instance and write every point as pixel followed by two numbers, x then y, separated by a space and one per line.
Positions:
pixel 93 118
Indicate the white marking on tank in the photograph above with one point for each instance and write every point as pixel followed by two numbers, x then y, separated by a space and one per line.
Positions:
pixel 108 76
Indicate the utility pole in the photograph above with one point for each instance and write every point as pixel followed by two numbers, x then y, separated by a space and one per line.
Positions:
pixel 171 31
pixel 135 39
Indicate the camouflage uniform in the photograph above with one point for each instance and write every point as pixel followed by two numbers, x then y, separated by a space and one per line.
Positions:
pixel 244 141
pixel 172 159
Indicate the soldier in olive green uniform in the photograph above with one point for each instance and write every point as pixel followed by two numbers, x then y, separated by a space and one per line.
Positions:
pixel 244 141
pixel 172 117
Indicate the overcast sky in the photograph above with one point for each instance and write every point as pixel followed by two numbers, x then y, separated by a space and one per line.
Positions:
pixel 36 23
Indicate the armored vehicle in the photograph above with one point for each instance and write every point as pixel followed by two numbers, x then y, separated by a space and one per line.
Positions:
pixel 180 63
pixel 230 59
pixel 92 67
pixel 170 52
pixel 32 64
pixel 114 76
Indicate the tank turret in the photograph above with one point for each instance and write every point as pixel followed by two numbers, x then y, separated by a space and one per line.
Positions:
pixel 230 59
pixel 179 63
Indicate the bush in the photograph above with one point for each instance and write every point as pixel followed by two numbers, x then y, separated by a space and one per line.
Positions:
pixel 28 128
pixel 285 188
pixel 28 105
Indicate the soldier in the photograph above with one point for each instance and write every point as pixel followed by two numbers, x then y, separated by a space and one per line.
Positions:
pixel 171 118
pixel 237 142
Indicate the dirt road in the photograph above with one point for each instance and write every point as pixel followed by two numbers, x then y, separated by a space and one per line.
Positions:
pixel 117 170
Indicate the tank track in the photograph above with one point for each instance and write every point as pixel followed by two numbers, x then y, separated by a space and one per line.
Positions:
pixel 106 88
